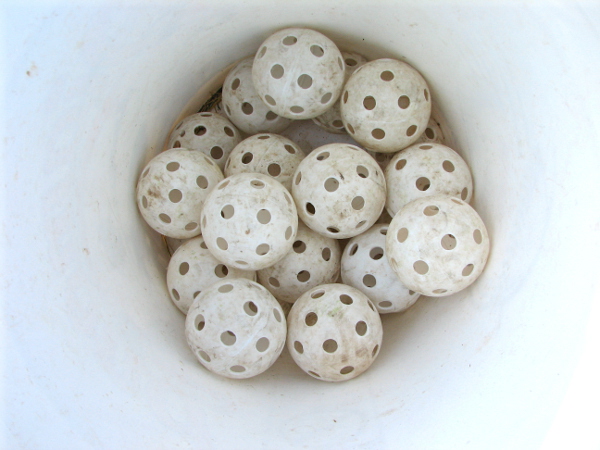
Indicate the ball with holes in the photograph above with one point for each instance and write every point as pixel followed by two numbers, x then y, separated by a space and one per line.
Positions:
pixel 269 154
pixel 243 105
pixel 386 105
pixel 365 267
pixel 172 189
pixel 314 260
pixel 249 221
pixel 331 120
pixel 339 190
pixel 433 132
pixel 236 328
pixel 437 245
pixel 334 332
pixel 193 268
pixel 426 169
pixel 298 73
pixel 210 133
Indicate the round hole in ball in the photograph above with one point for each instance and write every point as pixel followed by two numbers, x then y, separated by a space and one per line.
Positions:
pixel 318 294
pixel 333 230
pixel 353 249
pixel 477 236
pixel 326 98
pixel 222 243
pixel 378 133
pixel 346 299
pixel 204 355
pixel 376 253
pixel 274 282
pixel 297 109
pixel 206 114
pixel 164 218
pixel 291 150
pixel 225 288
pixel 288 233
pixel 340 63
pixel 350 128
pixel 361 328
pixel 289 40
pixel 274 169
pixel 310 208
pixel 144 201
pixel 277 71
pixel 298 347
pixel 385 304
pixel 369 103
pixel 346 370
pixel 403 102
pixel 423 183
pixel 429 133
pixel 298 178
pixel 448 166
pixel 247 108
pixel 270 115
pixel 173 166
pixel 330 346
pixel 203 245
pixel 262 52
pixel 216 152
pixel 421 267
pixel 345 99
pixel 383 231
pixel 303 276
pixel 263 249
pixel 175 294
pixel 370 303
pixel 326 254
pixel 227 211
pixel 360 224
pixel 387 75
pixel 426 94
pixel 191 226
pixel 200 130
pixel 375 349
pixel 449 242
pixel 240 262
pixel 337 124
pixel 440 291
pixel 204 221
pixel 277 314
pixel 305 81
pixel 369 280
pixel 228 131
pixel 262 344
pixel 317 50
pixel 264 137
pixel 199 322
pixel 314 374
pixel 299 246
pixel 247 158
pixel 237 369
pixel 331 184
pixel 311 319
pixel 464 193
pixel 426 147
pixel 221 270
pixel 235 84
pixel 402 235
pixel 179 126
pixel 263 216
pixel 362 171
pixel 228 338
pixel 223 184
pixel 270 100
pixel 250 308
pixel 351 62
pixel 358 203
pixel 431 210
pixel 411 130
pixel 176 144
pixel 184 268
pixel 400 164
pixel 257 184
pixel 467 270
pixel 202 182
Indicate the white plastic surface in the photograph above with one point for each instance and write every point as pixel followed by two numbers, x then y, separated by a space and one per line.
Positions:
pixel 92 348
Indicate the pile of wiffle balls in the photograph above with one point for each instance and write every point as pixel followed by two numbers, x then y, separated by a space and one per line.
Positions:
pixel 259 209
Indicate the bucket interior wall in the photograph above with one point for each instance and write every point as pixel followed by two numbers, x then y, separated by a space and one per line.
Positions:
pixel 94 351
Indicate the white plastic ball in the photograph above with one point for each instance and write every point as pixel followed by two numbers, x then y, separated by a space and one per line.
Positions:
pixel 433 132
pixel 314 260
pixel 243 105
pixel 298 73
pixel 193 268
pixel 339 190
pixel 426 169
pixel 365 267
pixel 334 332
pixel 236 328
pixel 172 189
pixel 386 105
pixel 249 221
pixel 437 245
pixel 269 154
pixel 331 120
pixel 210 133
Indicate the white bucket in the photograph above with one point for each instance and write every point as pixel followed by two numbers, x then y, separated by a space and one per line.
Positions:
pixel 94 351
